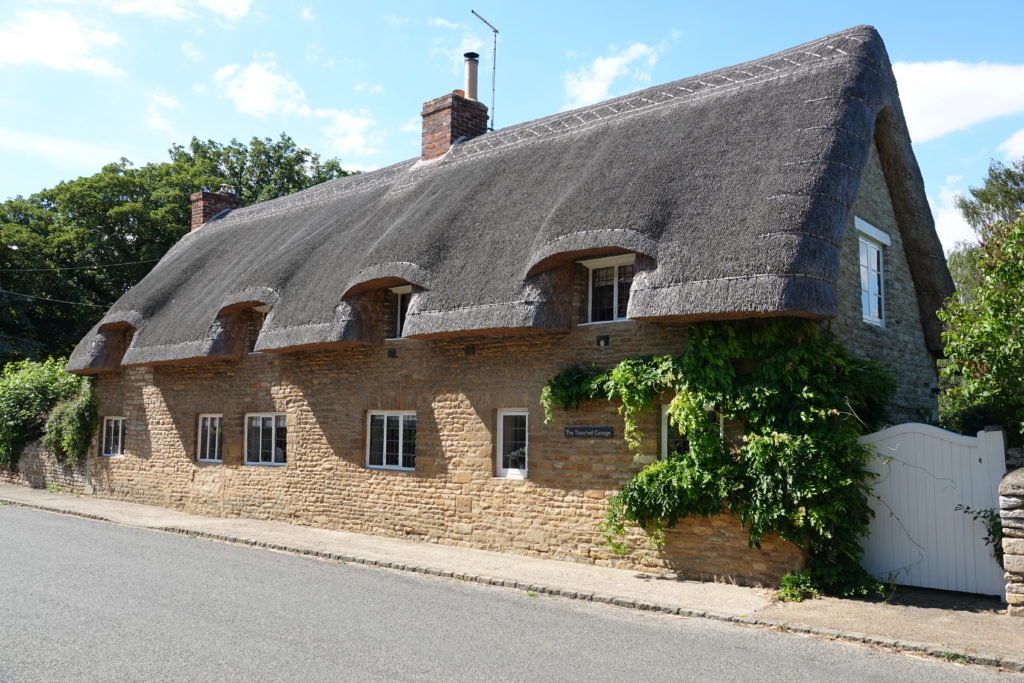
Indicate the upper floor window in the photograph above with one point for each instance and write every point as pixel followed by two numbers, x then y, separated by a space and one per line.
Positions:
pixel 391 439
pixel 610 282
pixel 400 300
pixel 113 436
pixel 871 245
pixel 266 438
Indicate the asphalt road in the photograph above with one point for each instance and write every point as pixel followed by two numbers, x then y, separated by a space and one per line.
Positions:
pixel 83 601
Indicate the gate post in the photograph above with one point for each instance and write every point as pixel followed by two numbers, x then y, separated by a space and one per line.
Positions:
pixel 1011 513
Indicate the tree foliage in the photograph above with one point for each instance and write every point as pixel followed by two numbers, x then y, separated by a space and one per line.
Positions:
pixel 797 472
pixel 998 200
pixel 28 391
pixel 122 214
pixel 984 338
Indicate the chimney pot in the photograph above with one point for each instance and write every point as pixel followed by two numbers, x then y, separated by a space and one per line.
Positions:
pixel 472 63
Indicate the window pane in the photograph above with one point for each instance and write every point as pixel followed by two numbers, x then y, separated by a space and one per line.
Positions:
pixel 280 439
pixel 625 282
pixel 252 453
pixel 376 440
pixel 403 308
pixel 204 438
pixel 513 442
pixel 602 294
pixel 391 437
pixel 409 441
pixel 106 436
pixel 218 427
pixel 266 437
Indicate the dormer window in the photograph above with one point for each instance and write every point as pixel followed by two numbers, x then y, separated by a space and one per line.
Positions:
pixel 609 285
pixel 254 318
pixel 871 245
pixel 400 297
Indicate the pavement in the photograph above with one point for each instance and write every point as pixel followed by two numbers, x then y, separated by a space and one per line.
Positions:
pixel 950 626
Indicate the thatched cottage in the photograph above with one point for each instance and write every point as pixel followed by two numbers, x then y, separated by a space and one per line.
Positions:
pixel 368 354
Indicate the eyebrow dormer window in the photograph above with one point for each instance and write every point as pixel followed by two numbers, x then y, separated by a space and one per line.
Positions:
pixel 610 281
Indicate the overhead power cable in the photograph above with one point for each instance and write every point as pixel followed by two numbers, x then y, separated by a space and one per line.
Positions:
pixel 107 265
pixel 56 301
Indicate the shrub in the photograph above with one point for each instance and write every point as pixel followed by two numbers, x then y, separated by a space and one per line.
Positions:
pixel 28 391
pixel 70 427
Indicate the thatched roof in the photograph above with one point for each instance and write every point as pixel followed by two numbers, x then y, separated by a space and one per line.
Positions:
pixel 734 186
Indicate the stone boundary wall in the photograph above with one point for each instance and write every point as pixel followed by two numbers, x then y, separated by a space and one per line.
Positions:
pixel 1011 510
pixel 38 469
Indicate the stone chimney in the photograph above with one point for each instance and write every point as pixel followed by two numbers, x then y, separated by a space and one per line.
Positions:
pixel 453 116
pixel 206 205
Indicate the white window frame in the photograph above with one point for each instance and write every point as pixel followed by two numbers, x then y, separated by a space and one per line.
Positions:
pixel 665 426
pixel 273 440
pixel 218 442
pixel 511 472
pixel 875 241
pixel 120 437
pixel 399 292
pixel 606 262
pixel 401 437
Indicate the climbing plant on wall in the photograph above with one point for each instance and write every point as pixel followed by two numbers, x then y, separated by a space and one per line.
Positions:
pixel 798 471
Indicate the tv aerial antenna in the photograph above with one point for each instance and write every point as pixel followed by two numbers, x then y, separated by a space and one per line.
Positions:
pixel 494 62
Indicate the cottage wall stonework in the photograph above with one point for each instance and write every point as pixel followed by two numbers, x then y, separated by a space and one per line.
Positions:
pixel 456 388
pixel 900 343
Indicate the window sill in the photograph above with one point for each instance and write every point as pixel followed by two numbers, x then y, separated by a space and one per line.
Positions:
pixel 385 468
pixel 111 455
pixel 875 322
pixel 209 462
pixel 265 464
pixel 512 476
pixel 606 322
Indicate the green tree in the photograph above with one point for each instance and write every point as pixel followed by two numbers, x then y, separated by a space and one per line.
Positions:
pixel 999 199
pixel 963 266
pixel 984 338
pixel 51 241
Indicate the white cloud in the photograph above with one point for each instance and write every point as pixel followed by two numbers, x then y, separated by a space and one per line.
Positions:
pixel 193 52
pixel 307 13
pixel 260 89
pixel 396 21
pixel 159 104
pixel 443 23
pixel 162 9
pixel 57 40
pixel 942 97
pixel 366 87
pixel 593 83
pixel 64 154
pixel 413 125
pixel 1013 147
pixel 232 10
pixel 949 222
pixel 469 43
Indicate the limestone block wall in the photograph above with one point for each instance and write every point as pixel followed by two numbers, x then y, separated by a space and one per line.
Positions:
pixel 38 469
pixel 456 387
pixel 1011 511
pixel 899 344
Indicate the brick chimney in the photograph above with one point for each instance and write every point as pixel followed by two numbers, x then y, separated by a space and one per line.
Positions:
pixel 206 205
pixel 453 116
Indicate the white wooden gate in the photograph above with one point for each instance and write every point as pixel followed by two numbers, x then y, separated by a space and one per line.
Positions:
pixel 918 537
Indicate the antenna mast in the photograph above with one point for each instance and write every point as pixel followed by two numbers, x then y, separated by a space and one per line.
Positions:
pixel 494 62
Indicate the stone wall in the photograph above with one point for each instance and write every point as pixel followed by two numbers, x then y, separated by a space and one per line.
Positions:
pixel 456 388
pixel 1011 510
pixel 899 344
pixel 38 469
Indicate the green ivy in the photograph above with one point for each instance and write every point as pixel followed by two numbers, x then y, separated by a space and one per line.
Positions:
pixel 70 427
pixel 798 472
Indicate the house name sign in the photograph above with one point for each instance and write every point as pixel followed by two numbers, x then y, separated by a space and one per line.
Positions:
pixel 588 432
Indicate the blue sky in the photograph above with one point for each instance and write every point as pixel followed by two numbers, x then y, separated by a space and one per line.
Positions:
pixel 85 82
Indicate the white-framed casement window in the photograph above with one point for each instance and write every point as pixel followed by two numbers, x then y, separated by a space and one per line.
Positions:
pixel 391 439
pixel 871 244
pixel 402 295
pixel 671 440
pixel 209 447
pixel 608 287
pixel 513 443
pixel 266 438
pixel 113 436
